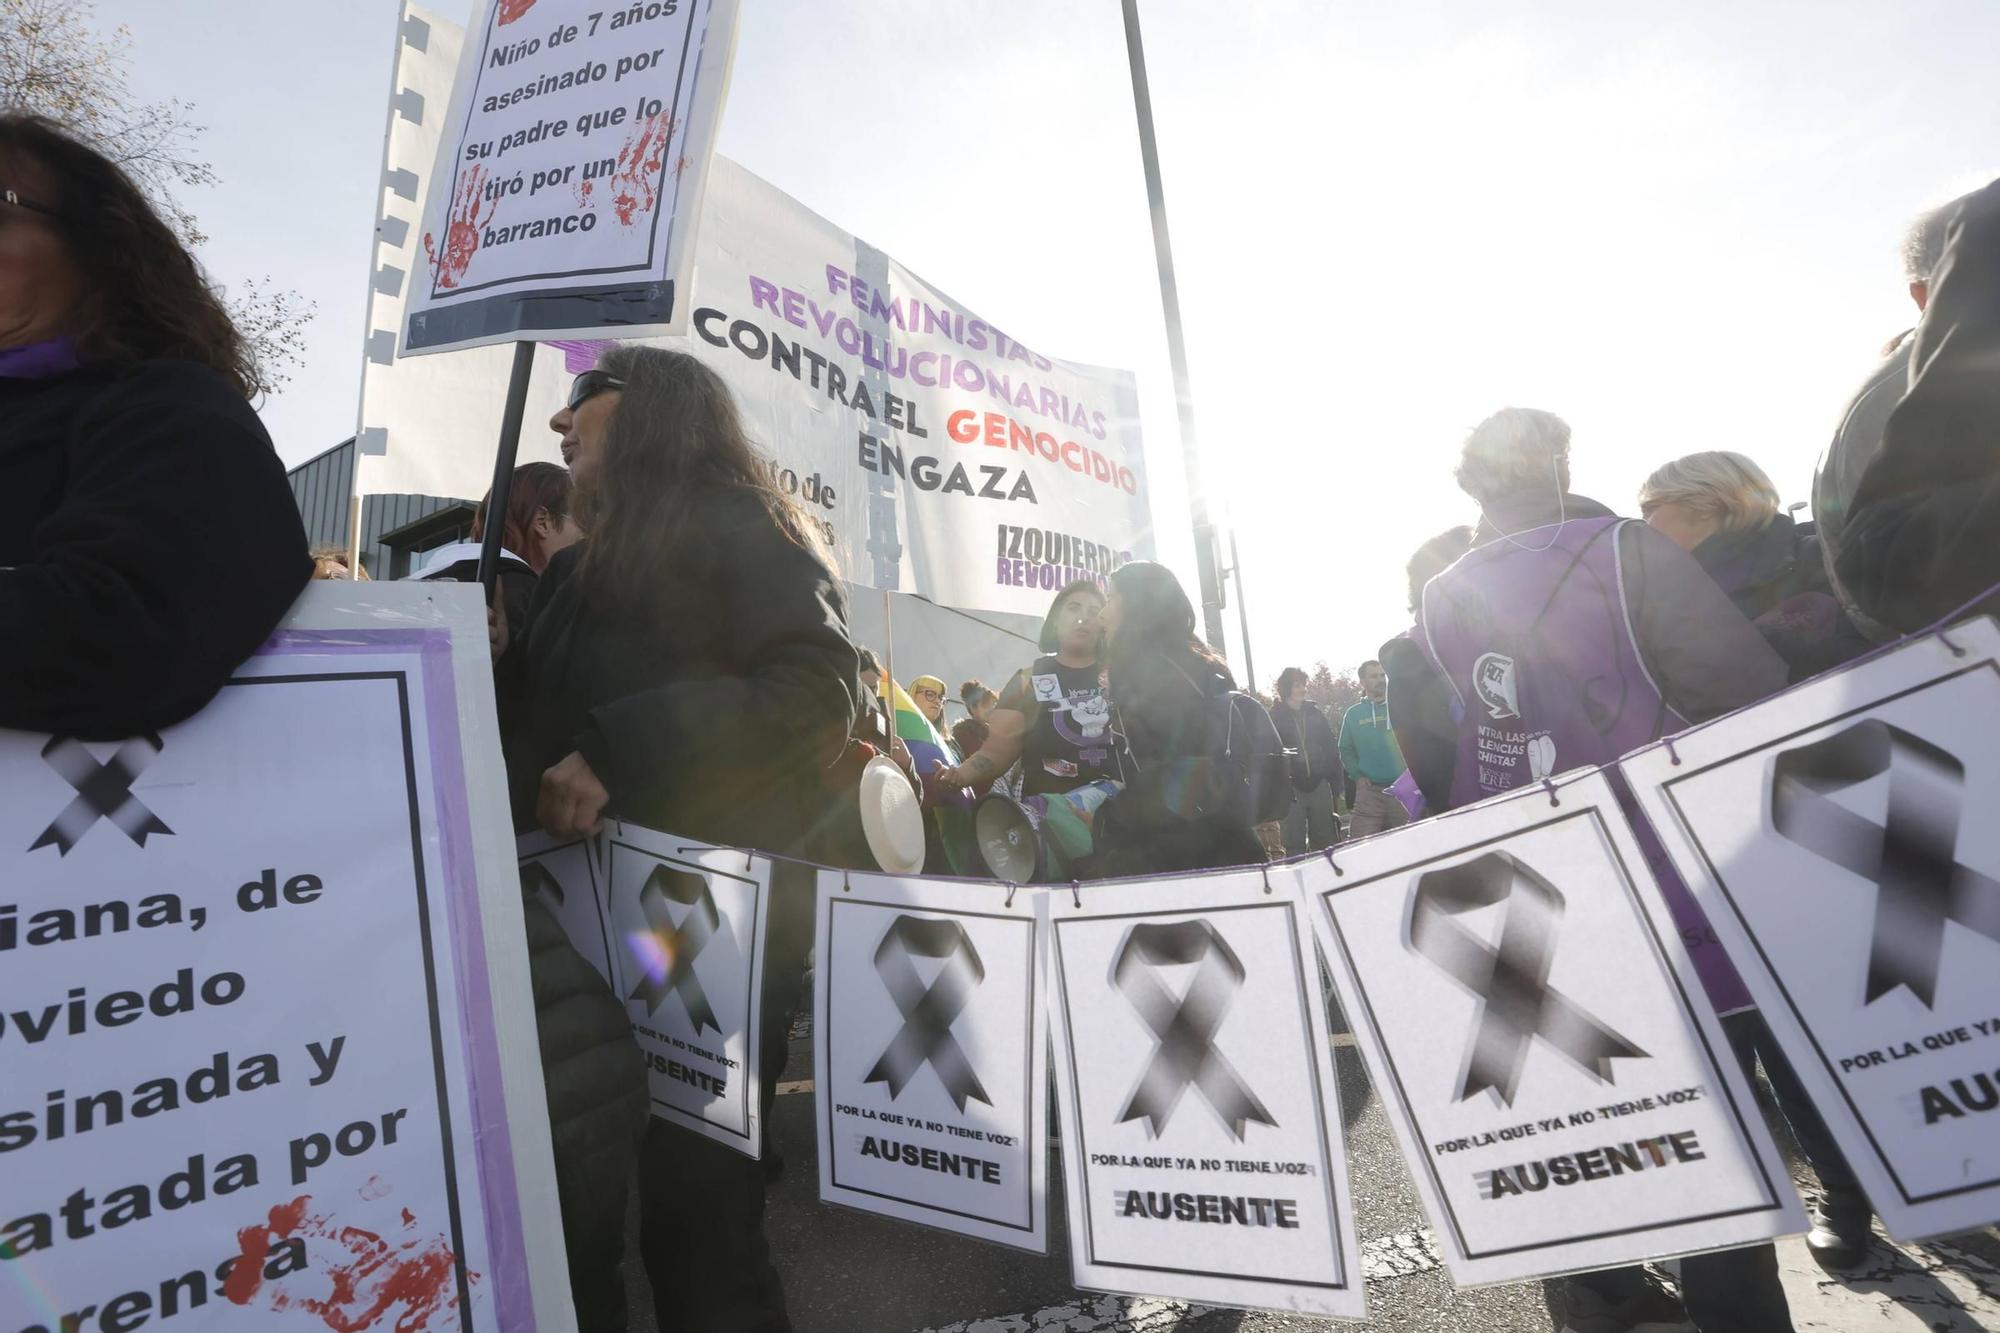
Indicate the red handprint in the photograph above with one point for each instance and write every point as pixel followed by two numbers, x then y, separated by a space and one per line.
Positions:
pixel 639 161
pixel 461 237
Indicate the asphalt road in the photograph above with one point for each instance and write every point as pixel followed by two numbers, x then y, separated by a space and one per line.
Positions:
pixel 847 1271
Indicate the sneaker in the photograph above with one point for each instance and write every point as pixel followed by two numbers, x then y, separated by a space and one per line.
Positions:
pixel 1584 1311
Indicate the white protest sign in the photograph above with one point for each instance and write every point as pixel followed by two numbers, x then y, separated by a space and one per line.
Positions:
pixel 1841 839
pixel 933 1056
pixel 565 875
pixel 270 1059
pixel 940 454
pixel 687 929
pixel 570 171
pixel 1564 1094
pixel 1201 1127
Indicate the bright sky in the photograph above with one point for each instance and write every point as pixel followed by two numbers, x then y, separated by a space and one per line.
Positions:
pixel 1675 226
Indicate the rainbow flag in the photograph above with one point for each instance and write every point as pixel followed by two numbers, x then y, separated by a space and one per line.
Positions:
pixel 928 746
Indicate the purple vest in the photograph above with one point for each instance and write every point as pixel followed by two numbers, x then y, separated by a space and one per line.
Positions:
pixel 1533 633
pixel 1540 650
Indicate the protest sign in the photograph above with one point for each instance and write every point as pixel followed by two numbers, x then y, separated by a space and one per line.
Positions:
pixel 1840 838
pixel 687 929
pixel 933 1057
pixel 1201 1126
pixel 940 454
pixel 564 874
pixel 271 1058
pixel 570 171
pixel 1564 1095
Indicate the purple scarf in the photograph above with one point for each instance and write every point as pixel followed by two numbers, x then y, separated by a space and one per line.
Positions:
pixel 39 361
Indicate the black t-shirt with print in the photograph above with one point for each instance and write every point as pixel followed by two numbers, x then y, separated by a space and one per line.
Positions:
pixel 1069 741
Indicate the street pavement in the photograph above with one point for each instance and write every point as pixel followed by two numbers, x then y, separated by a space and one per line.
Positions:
pixel 848 1272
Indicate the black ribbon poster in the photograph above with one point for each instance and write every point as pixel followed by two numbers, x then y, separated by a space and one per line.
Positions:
pixel 687 924
pixel 932 1055
pixel 1539 1035
pixel 1841 839
pixel 1201 1126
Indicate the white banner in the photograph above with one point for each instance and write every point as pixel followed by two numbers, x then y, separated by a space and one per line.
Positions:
pixel 942 455
pixel 268 1046
pixel 570 171
pixel 1564 1094
pixel 1201 1128
pixel 565 876
pixel 687 926
pixel 1841 839
pixel 932 1088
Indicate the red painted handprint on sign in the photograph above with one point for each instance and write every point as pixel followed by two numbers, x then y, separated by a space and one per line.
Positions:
pixel 461 237
pixel 637 178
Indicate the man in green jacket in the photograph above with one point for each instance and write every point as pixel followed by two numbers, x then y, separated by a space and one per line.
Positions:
pixel 1368 750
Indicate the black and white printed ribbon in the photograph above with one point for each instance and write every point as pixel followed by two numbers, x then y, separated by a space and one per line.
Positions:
pixel 1911 856
pixel 1511 983
pixel 1186 1055
pixel 928 1011
pixel 679 945
pixel 103 791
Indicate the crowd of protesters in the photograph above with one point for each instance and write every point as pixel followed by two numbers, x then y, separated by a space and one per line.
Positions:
pixel 688 662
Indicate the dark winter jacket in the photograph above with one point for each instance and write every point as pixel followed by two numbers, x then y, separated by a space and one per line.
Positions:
pixel 1308 732
pixel 148 544
pixel 1923 536
pixel 1164 707
pixel 710 710
pixel 595 1077
pixel 1776 577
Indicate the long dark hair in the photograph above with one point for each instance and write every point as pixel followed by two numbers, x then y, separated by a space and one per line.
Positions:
pixel 1156 620
pixel 536 486
pixel 673 442
pixel 144 295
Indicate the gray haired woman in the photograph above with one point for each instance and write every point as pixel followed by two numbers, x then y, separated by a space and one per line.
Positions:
pixel 1723 509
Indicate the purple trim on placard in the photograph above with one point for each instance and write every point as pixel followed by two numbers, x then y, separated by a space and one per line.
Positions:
pixel 506 1246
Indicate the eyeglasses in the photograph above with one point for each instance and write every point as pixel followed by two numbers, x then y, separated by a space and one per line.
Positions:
pixel 591 383
pixel 8 196
pixel 928 694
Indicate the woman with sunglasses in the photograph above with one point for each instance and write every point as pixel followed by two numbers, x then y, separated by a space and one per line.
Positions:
pixel 689 669
pixel 125 430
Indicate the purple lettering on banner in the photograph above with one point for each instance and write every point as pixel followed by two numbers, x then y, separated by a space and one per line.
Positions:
pixel 1021 573
pixel 763 295
pixel 1005 575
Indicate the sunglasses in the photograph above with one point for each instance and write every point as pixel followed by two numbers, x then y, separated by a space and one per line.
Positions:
pixel 591 383
pixel 8 196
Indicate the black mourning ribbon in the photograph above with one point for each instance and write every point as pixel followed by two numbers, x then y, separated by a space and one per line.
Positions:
pixel 1186 1028
pixel 1516 1003
pixel 680 944
pixel 537 878
pixel 928 1012
pixel 1911 857
pixel 103 791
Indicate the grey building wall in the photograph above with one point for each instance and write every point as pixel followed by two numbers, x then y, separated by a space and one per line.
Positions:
pixel 322 487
